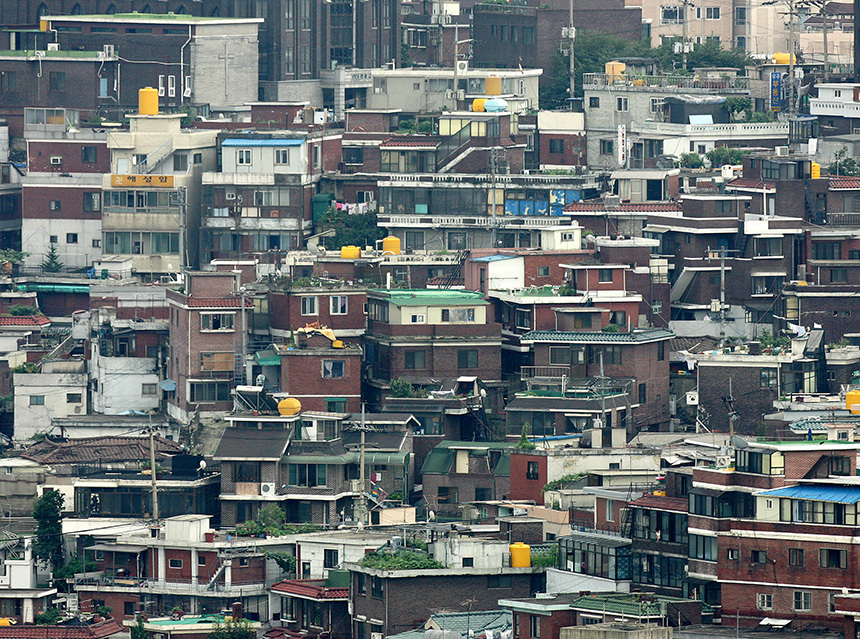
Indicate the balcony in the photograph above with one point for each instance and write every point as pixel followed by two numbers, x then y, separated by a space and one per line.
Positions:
pixel 727 131
pixel 555 373
pixel 665 83
pixel 819 106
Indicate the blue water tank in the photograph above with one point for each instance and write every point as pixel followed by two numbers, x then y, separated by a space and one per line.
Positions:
pixel 495 105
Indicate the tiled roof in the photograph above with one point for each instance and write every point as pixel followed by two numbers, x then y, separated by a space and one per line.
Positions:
pixel 845 183
pixel 412 142
pixel 106 449
pixel 624 207
pixel 310 590
pixel 24 320
pixel 251 443
pixel 746 183
pixel 94 631
pixel 441 458
pixel 218 302
pixel 600 337
pixel 677 504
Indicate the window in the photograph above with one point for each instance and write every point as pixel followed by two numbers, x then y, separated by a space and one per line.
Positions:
pixel 73 398
pixel 556 146
pixel 607 147
pixel 594 102
pixel 58 81
pixel 413 360
pixel 832 558
pixel 92 202
pixel 52 239
pixel 7 82
pixel 448 495
pixel 210 392
pixel 88 154
pixel 198 158
pixel 656 106
pixel 671 15
pixel 483 494
pixel 309 305
pixel 768 378
pixel 330 558
pixel 54 205
pixel 838 276
pixel 175 563
pixel 243 156
pixel 71 238
pixel 333 369
pixel 661 351
pixel 543 271
pixel 826 251
pixel 468 562
pixel 621 104
pixel 732 554
pixel 458 315
pixel 307 475
pixel 764 601
pixel 532 470
pixel 740 16
pixel 37 400
pixel 795 556
pixel 216 361
pixel 148 389
pixel 415 240
pixel 767 246
pixel 758 557
pixel 376 587
pixel 702 547
pixel 604 275
pixel 180 162
pixel 712 13
pixel 523 318
pixel 498 581
pixel 534 626
pixel 467 358
pixel 97 243
pixel 456 241
pixel 559 355
pixel 643 394
pixel 339 304
pixel 282 156
pixel 417 318
pixel 216 321
pixel 610 510
pixel 802 600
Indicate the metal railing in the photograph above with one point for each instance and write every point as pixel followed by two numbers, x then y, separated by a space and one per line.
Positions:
pixel 452 144
pixel 671 83
pixel 554 372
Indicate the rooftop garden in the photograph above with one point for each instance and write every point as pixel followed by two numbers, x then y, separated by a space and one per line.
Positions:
pixel 400 560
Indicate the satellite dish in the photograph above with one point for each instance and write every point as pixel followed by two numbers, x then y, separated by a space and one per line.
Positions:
pixel 202 465
pixel 739 442
pixel 431 516
pixel 313 248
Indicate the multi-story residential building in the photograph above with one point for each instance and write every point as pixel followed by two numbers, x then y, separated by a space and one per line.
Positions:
pixel 152 196
pixel 208 318
pixel 303 463
pixel 181 564
pixel 424 333
pixel 260 199
pixel 59 389
pixel 327 301
pixel 303 605
pixel 24 589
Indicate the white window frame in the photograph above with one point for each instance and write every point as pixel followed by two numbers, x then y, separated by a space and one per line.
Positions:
pixel 175 564
pixel 622 104
pixel 282 156
pixel 335 309
pixel 307 301
pixel 244 157
pixel 805 603
pixel 231 329
pixel 712 13
pixel 171 86
pixel 764 600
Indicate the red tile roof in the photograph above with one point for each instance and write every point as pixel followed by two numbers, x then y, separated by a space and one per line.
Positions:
pixel 95 631
pixel 625 207
pixel 845 183
pixel 310 589
pixel 677 504
pixel 745 183
pixel 218 302
pixel 24 320
pixel 417 141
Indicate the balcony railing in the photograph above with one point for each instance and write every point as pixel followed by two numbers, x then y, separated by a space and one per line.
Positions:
pixel 551 372
pixel 669 83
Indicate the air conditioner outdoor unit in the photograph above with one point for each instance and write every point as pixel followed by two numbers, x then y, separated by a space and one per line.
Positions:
pixel 375 635
pixel 724 461
pixel 462 66
pixel 56 159
pixel 53 46
pixel 230 196
pixel 109 51
pixel 461 94
pixel 267 488
pixel 692 398
pixel 187 92
pixel 449 94
pixel 781 151
pixel 40 54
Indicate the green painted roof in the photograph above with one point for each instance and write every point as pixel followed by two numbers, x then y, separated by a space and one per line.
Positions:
pixel 637 336
pixel 462 622
pixel 68 53
pixel 370 457
pixel 441 458
pixel 430 297
pixel 625 604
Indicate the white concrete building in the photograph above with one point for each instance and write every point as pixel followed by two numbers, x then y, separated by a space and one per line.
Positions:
pixel 60 390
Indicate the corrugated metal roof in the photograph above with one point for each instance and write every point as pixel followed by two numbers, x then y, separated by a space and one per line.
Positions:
pixel 600 337
pixel 262 142
pixel 818 492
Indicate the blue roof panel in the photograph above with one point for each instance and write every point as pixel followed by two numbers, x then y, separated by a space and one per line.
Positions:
pixel 817 492
pixel 262 142
pixel 493 258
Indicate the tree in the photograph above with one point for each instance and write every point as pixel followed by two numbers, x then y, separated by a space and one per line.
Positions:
pixel 724 155
pixel 51 617
pixel 239 629
pixel 48 513
pixel 13 256
pixel 138 631
pixel 843 165
pixel 52 263
pixel 525 443
pixel 358 229
pixel 692 161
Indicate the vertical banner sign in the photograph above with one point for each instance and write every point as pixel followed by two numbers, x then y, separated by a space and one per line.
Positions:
pixel 622 145
pixel 775 91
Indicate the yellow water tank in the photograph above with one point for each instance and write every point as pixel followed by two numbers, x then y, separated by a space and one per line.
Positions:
pixel 337 343
pixel 391 245
pixel 614 69
pixel 521 555
pixel 147 100
pixel 782 58
pixel 350 252
pixel 289 406
pixel 43 25
pixel 852 402
pixel 493 85
pixel 478 104
pixel 816 171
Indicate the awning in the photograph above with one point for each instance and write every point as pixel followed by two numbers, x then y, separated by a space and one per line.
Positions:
pixel 167 385
pixel 268 360
pixel 117 548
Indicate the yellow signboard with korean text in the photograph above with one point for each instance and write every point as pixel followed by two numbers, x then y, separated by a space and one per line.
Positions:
pixel 161 181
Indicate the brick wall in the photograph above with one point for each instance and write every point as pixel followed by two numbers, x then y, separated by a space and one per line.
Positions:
pixel 521 486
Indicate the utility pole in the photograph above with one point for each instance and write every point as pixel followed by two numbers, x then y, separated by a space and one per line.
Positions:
pixel 686 4
pixel 722 296
pixel 152 470
pixel 493 160
pixel 571 36
pixel 791 47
